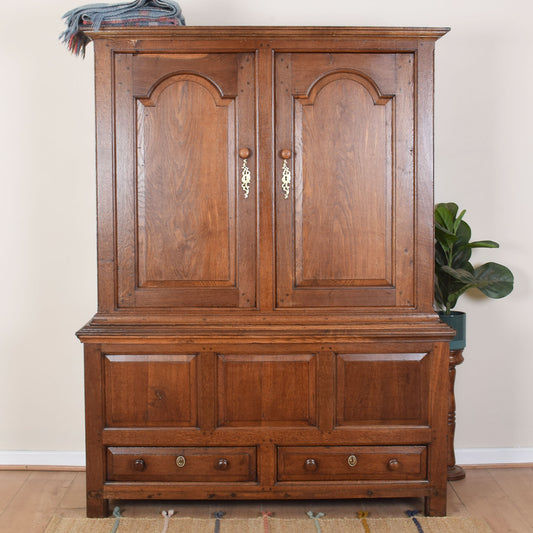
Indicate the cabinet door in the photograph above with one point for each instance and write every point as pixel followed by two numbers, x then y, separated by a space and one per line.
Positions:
pixel 185 226
pixel 344 180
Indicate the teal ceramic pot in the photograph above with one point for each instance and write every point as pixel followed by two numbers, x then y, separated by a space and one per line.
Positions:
pixel 456 320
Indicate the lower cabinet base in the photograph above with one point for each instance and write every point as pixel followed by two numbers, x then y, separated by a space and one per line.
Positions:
pixel 181 421
pixel 98 503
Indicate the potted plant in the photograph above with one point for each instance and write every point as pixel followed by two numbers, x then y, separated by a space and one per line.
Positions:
pixel 455 274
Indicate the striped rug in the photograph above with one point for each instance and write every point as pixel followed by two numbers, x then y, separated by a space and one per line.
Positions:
pixel 312 523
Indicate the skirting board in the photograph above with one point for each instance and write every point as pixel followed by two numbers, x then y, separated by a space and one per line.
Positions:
pixel 494 456
pixel 51 459
pixel 467 456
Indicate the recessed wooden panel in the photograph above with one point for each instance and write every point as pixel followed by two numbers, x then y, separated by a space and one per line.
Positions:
pixel 381 389
pixel 150 390
pixel 185 231
pixel 266 390
pixel 343 178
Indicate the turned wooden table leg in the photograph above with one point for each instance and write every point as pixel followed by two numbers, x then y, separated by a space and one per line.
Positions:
pixel 454 472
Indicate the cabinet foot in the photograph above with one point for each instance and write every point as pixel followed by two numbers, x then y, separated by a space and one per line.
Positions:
pixel 435 505
pixel 97 507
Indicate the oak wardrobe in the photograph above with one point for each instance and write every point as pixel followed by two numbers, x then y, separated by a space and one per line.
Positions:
pixel 265 327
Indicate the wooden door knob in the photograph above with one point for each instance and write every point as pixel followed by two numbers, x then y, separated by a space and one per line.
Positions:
pixel 285 154
pixel 245 153
pixel 139 464
pixel 222 464
pixel 311 465
pixel 393 464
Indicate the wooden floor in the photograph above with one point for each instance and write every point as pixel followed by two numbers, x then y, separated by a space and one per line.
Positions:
pixel 502 496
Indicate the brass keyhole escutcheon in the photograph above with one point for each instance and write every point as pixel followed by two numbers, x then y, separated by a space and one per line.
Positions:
pixel 180 461
pixel 352 460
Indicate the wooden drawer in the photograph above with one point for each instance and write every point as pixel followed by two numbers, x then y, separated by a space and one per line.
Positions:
pixel 181 464
pixel 333 463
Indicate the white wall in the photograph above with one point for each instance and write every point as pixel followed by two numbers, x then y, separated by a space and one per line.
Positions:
pixel 484 145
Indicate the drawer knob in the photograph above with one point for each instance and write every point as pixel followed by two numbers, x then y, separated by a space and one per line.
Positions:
pixel 393 464
pixel 222 464
pixel 352 460
pixel 245 153
pixel 180 461
pixel 311 465
pixel 139 464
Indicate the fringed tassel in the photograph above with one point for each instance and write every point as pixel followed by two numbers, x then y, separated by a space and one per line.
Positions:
pixel 117 515
pixel 266 524
pixel 218 515
pixel 363 515
pixel 412 515
pixel 167 515
pixel 315 517
pixel 77 43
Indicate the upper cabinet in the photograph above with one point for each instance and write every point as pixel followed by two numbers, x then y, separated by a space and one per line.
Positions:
pixel 257 171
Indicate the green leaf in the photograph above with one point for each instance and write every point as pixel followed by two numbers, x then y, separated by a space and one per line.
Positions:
pixel 439 220
pixel 451 207
pixel 469 267
pixel 483 244
pixel 443 229
pixel 445 238
pixel 439 295
pixel 461 257
pixel 445 217
pixel 494 280
pixel 449 288
pixel 460 274
pixel 463 234
pixel 440 255
pixel 458 220
pixel 454 296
